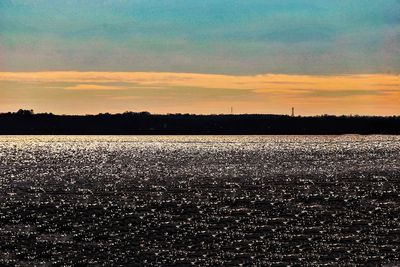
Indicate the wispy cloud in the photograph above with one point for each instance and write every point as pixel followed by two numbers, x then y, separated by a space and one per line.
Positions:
pixel 344 93
pixel 260 83
pixel 94 87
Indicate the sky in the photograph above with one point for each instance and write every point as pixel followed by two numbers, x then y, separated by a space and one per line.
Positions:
pixel 186 56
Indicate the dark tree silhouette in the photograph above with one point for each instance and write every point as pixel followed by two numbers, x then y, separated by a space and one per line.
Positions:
pixel 26 122
pixel 25 112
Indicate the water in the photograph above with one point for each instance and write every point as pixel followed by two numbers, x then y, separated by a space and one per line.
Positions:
pixel 203 200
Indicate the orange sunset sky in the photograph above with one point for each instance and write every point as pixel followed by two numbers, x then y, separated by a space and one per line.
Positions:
pixel 88 57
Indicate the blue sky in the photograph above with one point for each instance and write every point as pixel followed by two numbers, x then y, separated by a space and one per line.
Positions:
pixel 208 36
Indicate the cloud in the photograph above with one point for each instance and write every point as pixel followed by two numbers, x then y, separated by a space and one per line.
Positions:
pixel 259 83
pixel 163 92
pixel 344 93
pixel 94 87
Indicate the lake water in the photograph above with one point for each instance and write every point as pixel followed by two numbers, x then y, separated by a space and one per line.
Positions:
pixel 203 200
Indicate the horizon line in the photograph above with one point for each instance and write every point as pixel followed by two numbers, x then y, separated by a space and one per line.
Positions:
pixel 188 114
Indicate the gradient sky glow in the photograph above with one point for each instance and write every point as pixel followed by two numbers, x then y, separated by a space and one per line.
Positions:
pixel 90 56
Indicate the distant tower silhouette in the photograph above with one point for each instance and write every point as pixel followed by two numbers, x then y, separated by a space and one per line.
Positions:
pixel 292 112
pixel 231 110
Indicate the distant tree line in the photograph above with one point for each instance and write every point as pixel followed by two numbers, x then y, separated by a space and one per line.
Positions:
pixel 27 122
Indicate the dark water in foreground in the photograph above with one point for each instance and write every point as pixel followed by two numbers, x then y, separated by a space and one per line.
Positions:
pixel 199 200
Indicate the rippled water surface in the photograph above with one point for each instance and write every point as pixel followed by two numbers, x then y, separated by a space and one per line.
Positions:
pixel 203 200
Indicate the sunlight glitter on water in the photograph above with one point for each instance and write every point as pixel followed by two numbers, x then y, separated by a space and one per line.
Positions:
pixel 207 200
